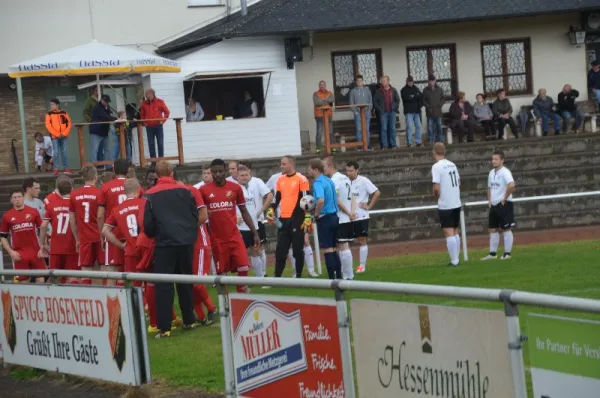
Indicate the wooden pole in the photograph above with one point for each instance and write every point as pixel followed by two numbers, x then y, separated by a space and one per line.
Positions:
pixel 179 141
pixel 81 146
pixel 326 131
pixel 140 133
pixel 122 140
pixel 363 121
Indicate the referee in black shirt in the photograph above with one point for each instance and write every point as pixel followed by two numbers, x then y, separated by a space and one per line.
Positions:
pixel 172 216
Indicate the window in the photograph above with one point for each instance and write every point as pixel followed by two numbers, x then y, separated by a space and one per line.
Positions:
pixel 438 60
pixel 507 64
pixel 204 3
pixel 346 65
pixel 224 96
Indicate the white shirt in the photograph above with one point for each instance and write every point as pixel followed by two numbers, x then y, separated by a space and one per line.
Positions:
pixel 445 173
pixel 252 206
pixel 272 184
pixel 498 182
pixel 344 194
pixel 199 185
pixel 46 146
pixel 362 189
pixel 230 178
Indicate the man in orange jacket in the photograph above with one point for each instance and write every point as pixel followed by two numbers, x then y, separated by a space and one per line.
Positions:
pixel 154 108
pixel 58 124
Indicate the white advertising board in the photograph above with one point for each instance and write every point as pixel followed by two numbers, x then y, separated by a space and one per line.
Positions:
pixel 409 350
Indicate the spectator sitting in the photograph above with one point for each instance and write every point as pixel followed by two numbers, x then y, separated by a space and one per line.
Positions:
pixel 503 110
pixel 43 151
pixel 544 107
pixel 463 120
pixel 194 112
pixel 568 109
pixel 484 115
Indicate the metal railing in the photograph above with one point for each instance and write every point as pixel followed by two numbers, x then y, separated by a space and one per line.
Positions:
pixel 510 298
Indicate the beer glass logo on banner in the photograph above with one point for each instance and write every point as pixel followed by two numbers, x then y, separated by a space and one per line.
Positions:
pixel 268 346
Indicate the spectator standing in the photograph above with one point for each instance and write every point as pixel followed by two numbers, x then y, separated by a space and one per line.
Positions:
pixel 544 107
pixel 463 120
pixel 154 108
pixel 172 216
pixel 43 152
pixel 87 115
pixel 433 99
pixel 122 119
pixel 594 80
pixel 58 124
pixel 101 114
pixel 484 116
pixel 361 95
pixel 387 102
pixel 412 98
pixel 194 112
pixel 503 112
pixel 323 97
pixel 567 108
pixel 248 107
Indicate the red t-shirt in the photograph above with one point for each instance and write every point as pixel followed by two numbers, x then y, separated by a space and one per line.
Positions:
pixel 126 217
pixel 21 226
pixel 57 212
pixel 203 240
pixel 84 203
pixel 221 203
pixel 50 197
pixel 113 194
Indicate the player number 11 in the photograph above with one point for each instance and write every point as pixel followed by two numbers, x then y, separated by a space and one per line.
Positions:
pixel 453 178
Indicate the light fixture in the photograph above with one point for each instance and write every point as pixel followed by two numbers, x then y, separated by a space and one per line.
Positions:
pixel 577 36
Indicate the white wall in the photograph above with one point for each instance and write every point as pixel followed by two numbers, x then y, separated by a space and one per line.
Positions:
pixel 277 134
pixel 36 27
pixel 555 61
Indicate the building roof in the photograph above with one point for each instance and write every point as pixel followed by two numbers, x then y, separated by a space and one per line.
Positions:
pixel 277 17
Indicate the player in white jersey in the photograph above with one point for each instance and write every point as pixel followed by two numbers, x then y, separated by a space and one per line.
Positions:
pixel 501 186
pixel 345 232
pixel 446 189
pixel 233 166
pixel 365 195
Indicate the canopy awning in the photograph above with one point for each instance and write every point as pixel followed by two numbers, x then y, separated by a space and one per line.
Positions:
pixel 117 81
pixel 226 75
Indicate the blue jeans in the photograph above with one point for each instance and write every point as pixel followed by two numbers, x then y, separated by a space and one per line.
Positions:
pixel 319 137
pixel 388 130
pixel 546 125
pixel 597 96
pixel 434 129
pixel 579 117
pixel 157 133
pixel 410 119
pixel 59 150
pixel 116 151
pixel 358 124
pixel 99 146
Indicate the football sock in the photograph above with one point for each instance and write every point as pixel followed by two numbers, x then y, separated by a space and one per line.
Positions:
pixel 309 259
pixel 338 266
pixel 151 301
pixel 198 303
pixel 213 267
pixel 330 263
pixel 363 254
pixel 457 237
pixel 494 242
pixel 508 241
pixel 346 260
pixel 263 259
pixel 291 258
pixel 257 266
pixel 452 249
pixel 242 271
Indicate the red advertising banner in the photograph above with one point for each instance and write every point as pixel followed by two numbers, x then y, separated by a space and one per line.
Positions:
pixel 286 346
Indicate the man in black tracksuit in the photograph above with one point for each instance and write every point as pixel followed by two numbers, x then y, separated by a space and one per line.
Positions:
pixel 172 216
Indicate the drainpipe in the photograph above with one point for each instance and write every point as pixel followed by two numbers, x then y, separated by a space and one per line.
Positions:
pixel 244 7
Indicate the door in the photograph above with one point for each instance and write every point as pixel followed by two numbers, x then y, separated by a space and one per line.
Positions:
pixel 72 101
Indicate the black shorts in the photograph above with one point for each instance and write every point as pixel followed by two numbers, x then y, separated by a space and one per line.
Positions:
pixel 262 232
pixel 47 158
pixel 249 239
pixel 502 216
pixel 327 228
pixel 345 232
pixel 361 228
pixel 449 218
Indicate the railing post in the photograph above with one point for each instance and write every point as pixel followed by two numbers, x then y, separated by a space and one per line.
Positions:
pixel 179 141
pixel 140 133
pixel 345 345
pixel 317 249
pixel 515 344
pixel 326 131
pixel 463 232
pixel 363 121
pixel 123 154
pixel 81 145
pixel 226 339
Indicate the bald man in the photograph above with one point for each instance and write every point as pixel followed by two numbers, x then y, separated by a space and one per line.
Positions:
pixel 154 112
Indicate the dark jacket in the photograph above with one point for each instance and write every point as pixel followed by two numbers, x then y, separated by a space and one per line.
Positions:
pixel 412 99
pixel 171 214
pixel 543 106
pixel 101 114
pixel 593 80
pixel 433 99
pixel 502 107
pixel 456 111
pixel 566 102
pixel 379 100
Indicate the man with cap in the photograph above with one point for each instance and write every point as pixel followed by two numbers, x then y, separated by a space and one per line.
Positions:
pixel 594 80
pixel 433 99
pixel 412 99
pixel 99 132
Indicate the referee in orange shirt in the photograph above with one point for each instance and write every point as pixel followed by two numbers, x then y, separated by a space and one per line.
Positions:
pixel 291 186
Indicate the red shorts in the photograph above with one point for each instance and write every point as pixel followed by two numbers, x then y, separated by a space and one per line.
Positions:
pixel 113 255
pixel 29 260
pixel 90 253
pixel 64 262
pixel 131 263
pixel 201 265
pixel 230 255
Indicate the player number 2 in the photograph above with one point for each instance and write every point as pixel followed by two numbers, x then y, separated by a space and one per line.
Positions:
pixel 349 191
pixel 122 198
pixel 132 225
pixel 453 178
pixel 63 223
pixel 86 215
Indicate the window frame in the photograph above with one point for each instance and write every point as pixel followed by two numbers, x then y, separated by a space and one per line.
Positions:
pixel 505 75
pixel 354 53
pixel 453 67
pixel 205 3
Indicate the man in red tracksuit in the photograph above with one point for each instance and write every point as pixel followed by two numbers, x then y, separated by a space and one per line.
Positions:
pixel 154 108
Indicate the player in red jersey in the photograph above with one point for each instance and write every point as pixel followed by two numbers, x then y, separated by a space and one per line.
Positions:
pixel 221 198
pixel 83 208
pixel 113 194
pixel 63 254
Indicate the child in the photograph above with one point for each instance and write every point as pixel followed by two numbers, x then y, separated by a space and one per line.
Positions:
pixel 43 152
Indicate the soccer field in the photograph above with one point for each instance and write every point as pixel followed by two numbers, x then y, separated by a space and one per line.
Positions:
pixel 194 359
